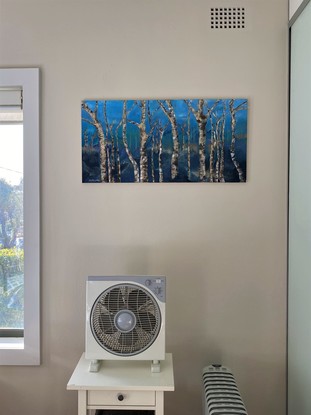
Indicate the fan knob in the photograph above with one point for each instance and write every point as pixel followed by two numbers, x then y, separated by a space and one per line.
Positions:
pixel 157 290
pixel 120 397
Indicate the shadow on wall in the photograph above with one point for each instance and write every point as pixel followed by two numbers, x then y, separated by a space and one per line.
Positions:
pixel 112 260
pixel 186 267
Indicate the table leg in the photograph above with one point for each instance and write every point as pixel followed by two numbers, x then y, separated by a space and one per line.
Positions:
pixel 82 410
pixel 159 403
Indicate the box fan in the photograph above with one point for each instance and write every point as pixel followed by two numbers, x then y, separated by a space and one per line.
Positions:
pixel 125 319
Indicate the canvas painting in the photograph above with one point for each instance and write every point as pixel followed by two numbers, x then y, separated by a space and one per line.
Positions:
pixel 157 141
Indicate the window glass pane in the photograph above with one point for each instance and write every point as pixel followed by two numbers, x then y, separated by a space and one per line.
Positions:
pixel 11 227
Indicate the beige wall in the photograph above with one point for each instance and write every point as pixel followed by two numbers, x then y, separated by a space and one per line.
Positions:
pixel 222 247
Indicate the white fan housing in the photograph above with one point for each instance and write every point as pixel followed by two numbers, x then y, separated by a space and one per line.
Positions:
pixel 125 318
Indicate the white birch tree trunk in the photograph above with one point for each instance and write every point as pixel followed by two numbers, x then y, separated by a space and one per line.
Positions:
pixel 217 144
pixel 161 134
pixel 118 161
pixel 188 147
pixel 211 158
pixel 124 139
pixel 169 111
pixel 201 119
pixel 152 160
pixel 153 124
pixel 222 149
pixel 143 144
pixel 110 157
pixel 109 166
pixel 101 139
pixel 233 139
pixel 143 137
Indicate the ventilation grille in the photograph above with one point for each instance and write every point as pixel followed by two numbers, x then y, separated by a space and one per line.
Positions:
pixel 125 320
pixel 221 393
pixel 228 18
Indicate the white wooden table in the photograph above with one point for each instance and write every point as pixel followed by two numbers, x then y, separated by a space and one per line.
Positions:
pixel 122 385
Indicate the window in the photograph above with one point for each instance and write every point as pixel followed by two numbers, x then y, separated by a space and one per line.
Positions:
pixel 11 214
pixel 19 217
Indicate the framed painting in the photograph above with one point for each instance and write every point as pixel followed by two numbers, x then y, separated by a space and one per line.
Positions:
pixel 157 141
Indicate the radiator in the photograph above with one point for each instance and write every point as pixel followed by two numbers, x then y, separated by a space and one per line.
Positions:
pixel 220 393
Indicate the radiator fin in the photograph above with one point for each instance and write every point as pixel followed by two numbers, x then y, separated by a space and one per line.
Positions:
pixel 221 394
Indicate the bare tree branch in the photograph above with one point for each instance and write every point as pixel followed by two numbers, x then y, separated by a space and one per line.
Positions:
pixel 241 107
pixel 88 121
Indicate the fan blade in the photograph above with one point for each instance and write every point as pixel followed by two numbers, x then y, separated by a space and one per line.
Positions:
pixel 127 339
pixel 113 300
pixel 137 299
pixel 106 323
pixel 146 321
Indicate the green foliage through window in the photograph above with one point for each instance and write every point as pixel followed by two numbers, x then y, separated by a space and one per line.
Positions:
pixel 11 255
pixel 11 288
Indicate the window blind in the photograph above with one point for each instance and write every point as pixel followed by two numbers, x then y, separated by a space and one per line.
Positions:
pixel 11 105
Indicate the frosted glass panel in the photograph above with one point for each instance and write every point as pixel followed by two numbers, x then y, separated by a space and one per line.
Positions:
pixel 299 302
pixel 293 6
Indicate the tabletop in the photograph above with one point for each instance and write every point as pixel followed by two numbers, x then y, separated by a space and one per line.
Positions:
pixel 125 374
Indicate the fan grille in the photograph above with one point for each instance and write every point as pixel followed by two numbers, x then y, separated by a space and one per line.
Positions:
pixel 136 301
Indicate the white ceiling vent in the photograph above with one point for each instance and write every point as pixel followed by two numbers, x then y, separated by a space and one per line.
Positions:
pixel 228 18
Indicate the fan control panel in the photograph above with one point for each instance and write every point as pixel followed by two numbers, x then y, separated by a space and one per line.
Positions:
pixel 157 286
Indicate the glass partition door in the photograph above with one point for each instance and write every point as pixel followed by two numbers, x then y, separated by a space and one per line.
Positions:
pixel 299 277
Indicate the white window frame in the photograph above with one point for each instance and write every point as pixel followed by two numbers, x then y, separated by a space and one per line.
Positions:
pixel 26 350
